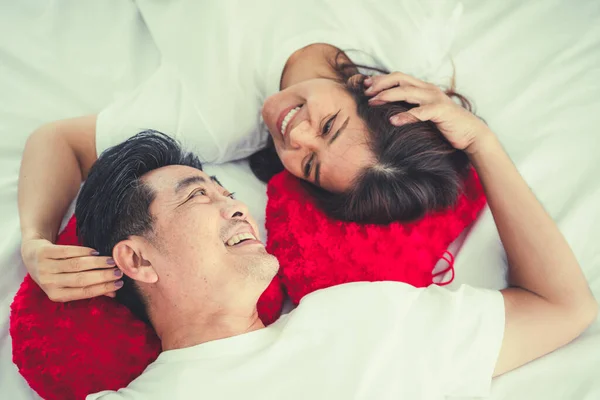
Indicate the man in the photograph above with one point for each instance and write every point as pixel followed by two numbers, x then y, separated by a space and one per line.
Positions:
pixel 194 269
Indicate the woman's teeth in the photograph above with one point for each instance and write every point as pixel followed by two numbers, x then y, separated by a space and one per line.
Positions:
pixel 288 118
pixel 239 238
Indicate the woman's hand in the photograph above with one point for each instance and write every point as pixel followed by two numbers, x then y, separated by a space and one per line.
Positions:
pixel 460 127
pixel 67 273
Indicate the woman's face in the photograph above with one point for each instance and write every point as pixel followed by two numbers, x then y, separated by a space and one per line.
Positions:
pixel 317 133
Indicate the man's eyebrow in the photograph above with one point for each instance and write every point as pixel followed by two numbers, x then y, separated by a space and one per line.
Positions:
pixel 339 131
pixel 215 180
pixel 190 180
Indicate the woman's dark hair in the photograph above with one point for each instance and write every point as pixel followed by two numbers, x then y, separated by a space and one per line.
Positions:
pixel 416 170
pixel 114 202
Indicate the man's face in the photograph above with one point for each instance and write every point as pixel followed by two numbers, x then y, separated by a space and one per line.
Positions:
pixel 204 240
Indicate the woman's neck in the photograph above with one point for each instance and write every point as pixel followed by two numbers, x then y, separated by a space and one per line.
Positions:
pixel 310 62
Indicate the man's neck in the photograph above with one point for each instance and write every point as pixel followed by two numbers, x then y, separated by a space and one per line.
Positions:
pixel 186 330
pixel 310 62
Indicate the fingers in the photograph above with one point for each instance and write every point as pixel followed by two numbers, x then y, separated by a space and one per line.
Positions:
pixel 424 113
pixel 379 83
pixel 88 278
pixel 58 252
pixel 409 94
pixel 403 119
pixel 79 264
pixel 71 294
pixel 429 112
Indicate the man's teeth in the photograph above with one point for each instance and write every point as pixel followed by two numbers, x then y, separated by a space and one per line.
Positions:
pixel 288 118
pixel 240 237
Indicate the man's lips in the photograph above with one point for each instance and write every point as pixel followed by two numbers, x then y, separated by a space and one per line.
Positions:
pixel 242 228
pixel 249 242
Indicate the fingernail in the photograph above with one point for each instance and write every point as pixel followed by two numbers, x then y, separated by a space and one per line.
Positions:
pixel 395 119
pixel 110 261
pixel 119 284
pixel 95 253
pixel 368 81
pixel 118 272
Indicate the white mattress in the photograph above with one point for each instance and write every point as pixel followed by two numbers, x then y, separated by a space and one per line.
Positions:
pixel 533 69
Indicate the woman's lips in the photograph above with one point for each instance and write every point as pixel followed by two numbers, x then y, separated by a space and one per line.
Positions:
pixel 282 116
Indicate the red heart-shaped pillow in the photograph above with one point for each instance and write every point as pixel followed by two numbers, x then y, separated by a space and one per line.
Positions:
pixel 316 252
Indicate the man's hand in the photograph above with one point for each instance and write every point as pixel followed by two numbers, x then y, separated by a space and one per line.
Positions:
pixel 67 273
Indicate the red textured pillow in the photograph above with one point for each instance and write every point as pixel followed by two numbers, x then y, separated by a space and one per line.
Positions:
pixel 316 252
pixel 69 350
pixel 66 351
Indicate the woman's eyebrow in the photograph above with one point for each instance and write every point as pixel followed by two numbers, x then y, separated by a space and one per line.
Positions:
pixel 339 131
pixel 318 174
pixel 307 166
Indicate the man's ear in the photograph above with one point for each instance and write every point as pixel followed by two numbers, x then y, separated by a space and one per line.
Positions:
pixel 128 257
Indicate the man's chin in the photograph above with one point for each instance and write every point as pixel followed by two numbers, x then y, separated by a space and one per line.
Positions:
pixel 267 268
pixel 258 265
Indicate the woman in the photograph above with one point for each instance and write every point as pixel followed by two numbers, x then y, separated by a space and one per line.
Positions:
pixel 328 125
pixel 361 165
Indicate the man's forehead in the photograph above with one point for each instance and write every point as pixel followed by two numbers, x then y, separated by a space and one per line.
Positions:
pixel 174 177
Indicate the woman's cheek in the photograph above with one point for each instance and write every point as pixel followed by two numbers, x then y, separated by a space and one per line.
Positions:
pixel 289 164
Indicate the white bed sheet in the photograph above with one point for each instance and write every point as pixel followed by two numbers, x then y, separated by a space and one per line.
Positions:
pixel 531 67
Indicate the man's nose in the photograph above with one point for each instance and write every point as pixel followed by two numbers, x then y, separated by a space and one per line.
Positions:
pixel 234 209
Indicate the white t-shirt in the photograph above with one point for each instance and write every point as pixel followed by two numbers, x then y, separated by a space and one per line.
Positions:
pixel 380 340
pixel 221 59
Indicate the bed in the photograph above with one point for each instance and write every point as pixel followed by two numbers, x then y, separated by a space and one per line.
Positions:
pixel 532 69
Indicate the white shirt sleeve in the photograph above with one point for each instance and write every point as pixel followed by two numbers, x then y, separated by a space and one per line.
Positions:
pixel 162 103
pixel 450 339
pixel 463 337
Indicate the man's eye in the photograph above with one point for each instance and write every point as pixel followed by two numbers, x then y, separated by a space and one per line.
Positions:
pixel 201 192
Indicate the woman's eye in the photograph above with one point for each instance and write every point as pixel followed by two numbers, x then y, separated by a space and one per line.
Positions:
pixel 327 127
pixel 231 196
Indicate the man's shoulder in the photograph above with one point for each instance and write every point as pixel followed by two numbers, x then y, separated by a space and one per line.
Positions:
pixel 396 297
pixel 358 296
pixel 354 288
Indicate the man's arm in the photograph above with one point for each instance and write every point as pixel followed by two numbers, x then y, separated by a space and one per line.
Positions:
pixel 548 303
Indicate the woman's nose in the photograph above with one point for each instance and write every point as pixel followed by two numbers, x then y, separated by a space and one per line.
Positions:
pixel 302 136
